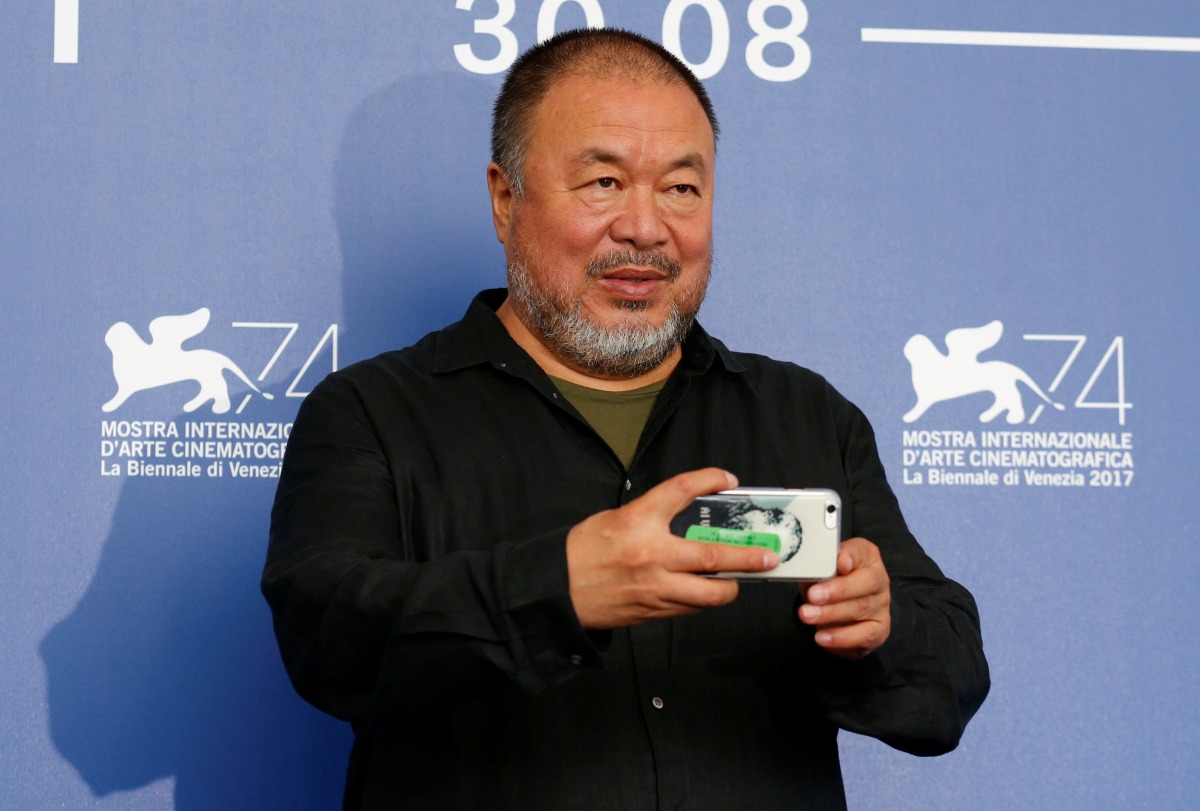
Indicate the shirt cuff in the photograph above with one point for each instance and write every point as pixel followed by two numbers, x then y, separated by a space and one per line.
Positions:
pixel 537 596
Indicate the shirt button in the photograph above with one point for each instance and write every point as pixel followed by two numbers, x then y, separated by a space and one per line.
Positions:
pixel 657 702
pixel 554 394
pixel 576 659
pixel 628 485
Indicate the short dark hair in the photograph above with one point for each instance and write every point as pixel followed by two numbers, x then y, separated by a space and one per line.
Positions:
pixel 599 52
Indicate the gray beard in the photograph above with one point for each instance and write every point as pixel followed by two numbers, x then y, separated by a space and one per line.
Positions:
pixel 627 350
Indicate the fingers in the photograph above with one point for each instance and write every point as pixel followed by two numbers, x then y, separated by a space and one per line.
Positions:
pixel 685 593
pixel 625 566
pixel 665 500
pixel 700 556
pixel 611 589
pixel 850 641
pixel 670 585
pixel 857 553
pixel 852 597
pixel 852 611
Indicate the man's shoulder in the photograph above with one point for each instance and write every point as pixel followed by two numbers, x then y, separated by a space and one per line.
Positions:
pixel 783 385
pixel 378 380
pixel 461 344
pixel 415 359
pixel 758 367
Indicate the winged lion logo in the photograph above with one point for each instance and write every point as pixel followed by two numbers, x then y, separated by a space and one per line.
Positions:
pixel 938 377
pixel 139 366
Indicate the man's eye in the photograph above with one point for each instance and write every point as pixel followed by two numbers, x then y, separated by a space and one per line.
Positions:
pixel 606 182
pixel 683 188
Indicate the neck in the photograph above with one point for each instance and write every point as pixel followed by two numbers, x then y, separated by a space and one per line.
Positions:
pixel 554 366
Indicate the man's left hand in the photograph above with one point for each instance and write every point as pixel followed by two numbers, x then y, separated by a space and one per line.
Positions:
pixel 851 611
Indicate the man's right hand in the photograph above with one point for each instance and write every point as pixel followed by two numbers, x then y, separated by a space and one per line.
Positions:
pixel 627 568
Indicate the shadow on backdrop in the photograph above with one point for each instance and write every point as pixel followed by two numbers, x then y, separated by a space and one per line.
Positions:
pixel 412 211
pixel 167 666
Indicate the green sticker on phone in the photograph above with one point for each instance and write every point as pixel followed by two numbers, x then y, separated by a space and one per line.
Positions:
pixel 733 537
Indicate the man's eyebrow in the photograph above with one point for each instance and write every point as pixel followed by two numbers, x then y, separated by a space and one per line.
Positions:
pixel 591 157
pixel 693 160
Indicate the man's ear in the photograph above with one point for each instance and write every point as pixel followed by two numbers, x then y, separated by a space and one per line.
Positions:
pixel 501 191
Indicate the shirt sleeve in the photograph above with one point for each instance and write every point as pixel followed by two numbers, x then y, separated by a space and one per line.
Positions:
pixel 919 690
pixel 366 628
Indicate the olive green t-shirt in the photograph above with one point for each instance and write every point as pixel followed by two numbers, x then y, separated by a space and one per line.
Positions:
pixel 619 417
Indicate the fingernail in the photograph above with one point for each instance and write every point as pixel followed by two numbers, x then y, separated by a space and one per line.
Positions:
pixel 817 594
pixel 733 482
pixel 770 560
pixel 809 613
pixel 823 637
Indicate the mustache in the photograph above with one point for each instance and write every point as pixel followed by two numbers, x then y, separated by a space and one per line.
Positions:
pixel 655 259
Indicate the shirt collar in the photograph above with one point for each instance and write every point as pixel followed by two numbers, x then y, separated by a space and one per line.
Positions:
pixel 480 337
pixel 476 339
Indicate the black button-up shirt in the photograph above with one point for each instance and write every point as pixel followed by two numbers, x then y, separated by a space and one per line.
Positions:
pixel 418 579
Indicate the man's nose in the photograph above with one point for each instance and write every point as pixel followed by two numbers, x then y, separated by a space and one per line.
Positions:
pixel 640 223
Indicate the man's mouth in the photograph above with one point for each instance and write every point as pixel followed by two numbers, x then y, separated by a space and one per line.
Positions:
pixel 634 276
pixel 635 266
pixel 633 284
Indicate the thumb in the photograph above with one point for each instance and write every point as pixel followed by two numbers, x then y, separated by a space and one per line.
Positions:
pixel 667 499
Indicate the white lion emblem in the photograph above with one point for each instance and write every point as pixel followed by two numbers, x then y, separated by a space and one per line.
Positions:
pixel 937 378
pixel 138 366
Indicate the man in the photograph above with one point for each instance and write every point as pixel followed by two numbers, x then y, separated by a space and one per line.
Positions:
pixel 470 558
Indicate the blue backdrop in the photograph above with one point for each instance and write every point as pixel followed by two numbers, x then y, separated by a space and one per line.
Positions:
pixel 312 175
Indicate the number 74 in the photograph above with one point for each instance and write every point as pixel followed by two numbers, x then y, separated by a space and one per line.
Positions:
pixel 1115 350
pixel 330 337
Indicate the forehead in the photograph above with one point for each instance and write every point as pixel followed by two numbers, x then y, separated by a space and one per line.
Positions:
pixel 578 108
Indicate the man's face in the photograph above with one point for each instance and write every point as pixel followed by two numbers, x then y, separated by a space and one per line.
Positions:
pixel 610 247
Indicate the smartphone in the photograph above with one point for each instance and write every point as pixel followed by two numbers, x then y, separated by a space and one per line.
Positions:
pixel 802 526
